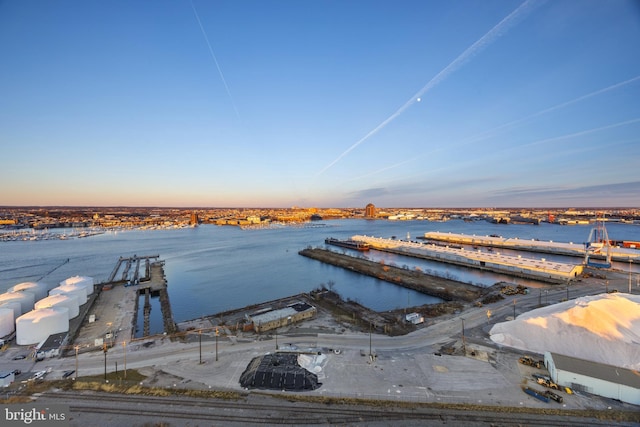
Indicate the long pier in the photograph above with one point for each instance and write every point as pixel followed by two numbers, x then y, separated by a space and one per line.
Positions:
pixel 537 269
pixel 127 261
pixel 448 290
pixel 156 287
pixel 547 247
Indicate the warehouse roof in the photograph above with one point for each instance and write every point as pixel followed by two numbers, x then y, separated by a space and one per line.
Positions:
pixel 610 373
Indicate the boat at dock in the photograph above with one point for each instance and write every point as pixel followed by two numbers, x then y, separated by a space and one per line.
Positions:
pixel 350 244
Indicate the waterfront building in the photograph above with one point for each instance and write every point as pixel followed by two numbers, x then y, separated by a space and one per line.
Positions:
pixel 370 211
pixel 273 319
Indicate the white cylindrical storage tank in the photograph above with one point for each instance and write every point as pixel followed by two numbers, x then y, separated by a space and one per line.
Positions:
pixel 78 291
pixel 85 281
pixel 36 325
pixel 13 305
pixel 26 299
pixel 7 321
pixel 39 290
pixel 70 302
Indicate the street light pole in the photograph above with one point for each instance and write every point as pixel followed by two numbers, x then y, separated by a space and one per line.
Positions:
pixel 200 340
pixel 216 344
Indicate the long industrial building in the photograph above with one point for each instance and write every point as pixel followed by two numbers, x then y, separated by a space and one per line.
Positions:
pixel 540 269
pixel 596 378
pixel 558 248
pixel 273 319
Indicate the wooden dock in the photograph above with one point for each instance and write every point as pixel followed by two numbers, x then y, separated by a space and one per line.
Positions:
pixel 127 262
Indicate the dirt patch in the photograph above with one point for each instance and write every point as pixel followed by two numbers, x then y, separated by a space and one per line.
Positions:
pixel 358 317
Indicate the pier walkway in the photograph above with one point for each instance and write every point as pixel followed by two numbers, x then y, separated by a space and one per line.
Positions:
pixel 538 269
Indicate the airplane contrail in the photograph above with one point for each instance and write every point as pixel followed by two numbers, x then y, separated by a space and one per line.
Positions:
pixel 492 35
pixel 491 132
pixel 215 60
pixel 573 135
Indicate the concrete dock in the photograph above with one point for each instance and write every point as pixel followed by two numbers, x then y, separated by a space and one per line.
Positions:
pixel 538 269
pixel 112 317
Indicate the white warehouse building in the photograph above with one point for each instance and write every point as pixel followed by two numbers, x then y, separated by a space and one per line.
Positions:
pixel 596 378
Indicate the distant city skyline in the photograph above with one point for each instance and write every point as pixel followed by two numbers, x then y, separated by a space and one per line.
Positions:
pixel 501 103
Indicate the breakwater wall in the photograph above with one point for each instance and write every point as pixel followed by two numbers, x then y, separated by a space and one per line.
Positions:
pixel 448 290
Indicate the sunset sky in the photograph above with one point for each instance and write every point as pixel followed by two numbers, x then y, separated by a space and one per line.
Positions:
pixel 277 103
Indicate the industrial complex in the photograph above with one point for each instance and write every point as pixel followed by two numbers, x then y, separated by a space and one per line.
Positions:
pixel 81 318
pixel 540 269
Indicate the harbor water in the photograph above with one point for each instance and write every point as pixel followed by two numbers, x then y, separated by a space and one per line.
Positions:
pixel 211 269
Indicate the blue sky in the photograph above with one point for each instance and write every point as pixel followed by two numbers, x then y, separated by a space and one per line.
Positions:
pixel 424 103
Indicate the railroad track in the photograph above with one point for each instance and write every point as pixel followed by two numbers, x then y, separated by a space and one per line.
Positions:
pixel 177 410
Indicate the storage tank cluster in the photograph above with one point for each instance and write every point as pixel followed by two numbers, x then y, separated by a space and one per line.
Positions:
pixel 34 312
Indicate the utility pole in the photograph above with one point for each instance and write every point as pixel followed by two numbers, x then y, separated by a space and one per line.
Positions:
pixel 124 346
pixel 104 350
pixel 76 348
pixel 464 344
pixel 370 353
pixel 200 340
pixel 629 274
pixel 217 343
pixel 514 309
pixel 540 298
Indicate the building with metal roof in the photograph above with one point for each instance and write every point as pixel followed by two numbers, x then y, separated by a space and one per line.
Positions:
pixel 265 321
pixel 595 378
pixel 539 269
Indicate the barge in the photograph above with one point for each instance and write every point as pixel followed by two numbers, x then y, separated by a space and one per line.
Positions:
pixel 350 244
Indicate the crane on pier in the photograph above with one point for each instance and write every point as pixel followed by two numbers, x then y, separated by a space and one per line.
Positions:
pixel 598 245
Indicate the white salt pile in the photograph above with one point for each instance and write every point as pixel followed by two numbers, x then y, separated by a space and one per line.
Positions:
pixel 602 328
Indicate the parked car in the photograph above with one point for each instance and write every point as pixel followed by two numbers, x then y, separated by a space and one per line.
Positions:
pixel 20 357
pixel 67 374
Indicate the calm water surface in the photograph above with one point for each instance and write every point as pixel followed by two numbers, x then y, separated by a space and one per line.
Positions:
pixel 211 268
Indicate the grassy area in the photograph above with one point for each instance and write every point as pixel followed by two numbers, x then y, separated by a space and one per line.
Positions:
pixel 116 383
